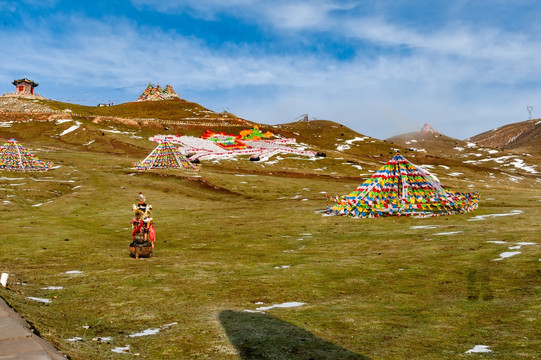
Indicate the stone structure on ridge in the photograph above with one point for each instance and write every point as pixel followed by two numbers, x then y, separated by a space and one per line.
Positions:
pixel 155 93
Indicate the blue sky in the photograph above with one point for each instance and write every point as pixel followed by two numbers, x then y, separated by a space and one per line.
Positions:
pixel 380 67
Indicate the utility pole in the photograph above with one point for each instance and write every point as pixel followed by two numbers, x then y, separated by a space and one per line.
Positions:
pixel 530 109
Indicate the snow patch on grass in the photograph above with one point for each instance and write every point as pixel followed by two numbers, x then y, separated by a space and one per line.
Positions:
pixel 129 133
pixel 75 339
pixel 483 217
pixel 120 349
pixel 283 305
pixel 101 339
pixel 351 141
pixel 479 349
pixel 448 233
pixel 514 179
pixel 341 147
pixel 70 272
pixel 148 332
pixel 521 244
pixel 71 128
pixel 519 164
pixel 53 180
pixel 507 254
pixel 42 300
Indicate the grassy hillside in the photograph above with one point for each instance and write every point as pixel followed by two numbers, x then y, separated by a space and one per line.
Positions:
pixel 467 157
pixel 523 136
pixel 431 143
pixel 243 235
pixel 165 110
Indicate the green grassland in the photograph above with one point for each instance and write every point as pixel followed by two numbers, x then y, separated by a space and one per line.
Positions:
pixel 165 110
pixel 240 235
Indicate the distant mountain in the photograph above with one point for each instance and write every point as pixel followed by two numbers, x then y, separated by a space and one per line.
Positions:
pixel 430 142
pixel 522 136
pixel 484 155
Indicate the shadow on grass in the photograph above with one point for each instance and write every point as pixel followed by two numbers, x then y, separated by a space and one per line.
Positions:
pixel 261 336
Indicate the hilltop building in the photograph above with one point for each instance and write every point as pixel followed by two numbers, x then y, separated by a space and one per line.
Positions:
pixel 155 93
pixel 24 88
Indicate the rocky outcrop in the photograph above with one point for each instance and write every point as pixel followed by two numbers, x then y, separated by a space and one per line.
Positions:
pixel 155 93
pixel 16 104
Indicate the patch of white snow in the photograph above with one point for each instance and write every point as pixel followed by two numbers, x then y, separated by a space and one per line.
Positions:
pixel 507 254
pixel 71 128
pixel 483 217
pixel 479 349
pixel 521 244
pixel 45 301
pixel 283 305
pixel 120 350
pixel 75 339
pixel 448 233
pixel 148 332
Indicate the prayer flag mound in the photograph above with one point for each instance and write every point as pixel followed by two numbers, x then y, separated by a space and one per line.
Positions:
pixel 15 157
pixel 402 188
pixel 166 156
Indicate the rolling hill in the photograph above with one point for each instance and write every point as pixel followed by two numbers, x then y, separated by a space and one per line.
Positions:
pixel 124 129
pixel 247 264
pixel 470 154
pixel 523 136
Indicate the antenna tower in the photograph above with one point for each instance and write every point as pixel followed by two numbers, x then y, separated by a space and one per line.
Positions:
pixel 530 109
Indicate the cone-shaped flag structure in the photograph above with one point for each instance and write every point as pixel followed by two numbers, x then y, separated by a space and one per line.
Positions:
pixel 15 157
pixel 401 188
pixel 428 129
pixel 166 156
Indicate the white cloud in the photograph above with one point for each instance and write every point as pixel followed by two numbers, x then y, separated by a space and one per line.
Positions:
pixel 486 44
pixel 451 79
pixel 280 14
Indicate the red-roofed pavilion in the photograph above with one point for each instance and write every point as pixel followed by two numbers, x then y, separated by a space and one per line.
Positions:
pixel 25 86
